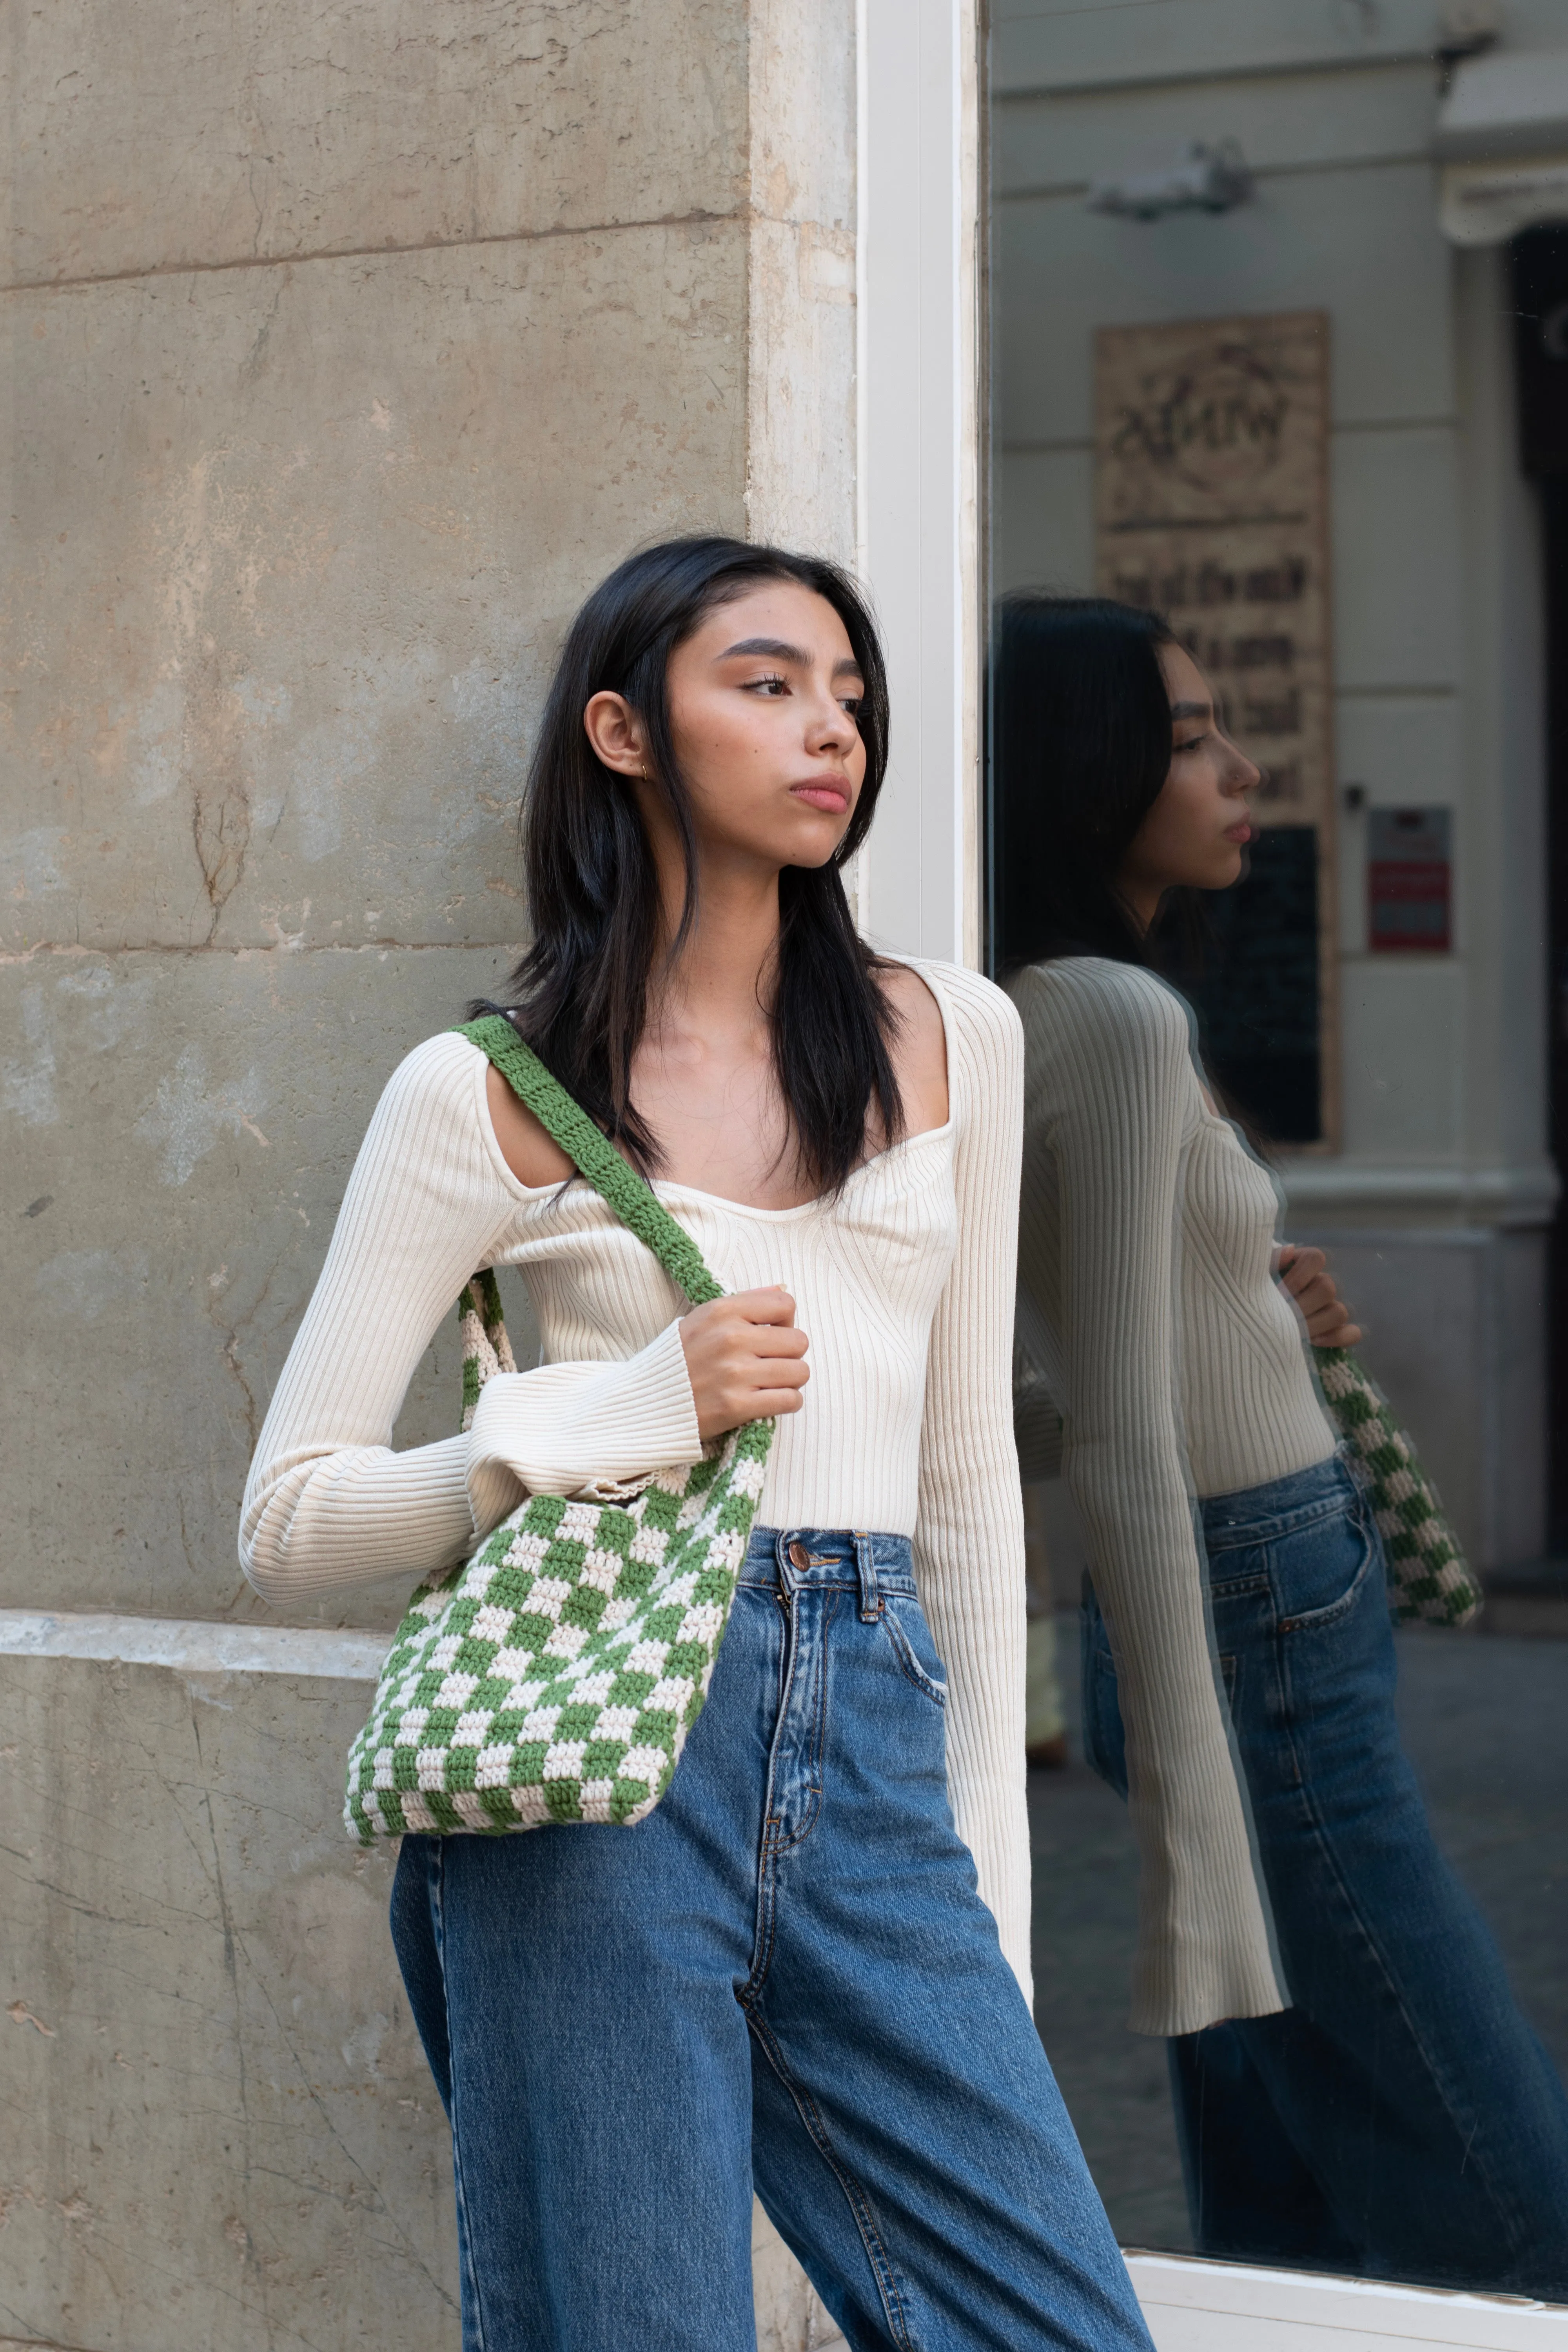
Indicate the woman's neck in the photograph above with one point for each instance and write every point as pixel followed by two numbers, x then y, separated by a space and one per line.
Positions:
pixel 721 980
pixel 703 1075
pixel 1141 899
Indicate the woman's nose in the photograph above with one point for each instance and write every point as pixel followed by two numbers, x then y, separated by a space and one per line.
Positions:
pixel 831 724
pixel 1244 775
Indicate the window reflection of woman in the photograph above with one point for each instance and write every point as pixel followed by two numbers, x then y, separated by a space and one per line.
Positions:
pixel 1356 2088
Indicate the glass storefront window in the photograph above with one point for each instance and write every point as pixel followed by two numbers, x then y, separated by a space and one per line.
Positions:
pixel 1277 354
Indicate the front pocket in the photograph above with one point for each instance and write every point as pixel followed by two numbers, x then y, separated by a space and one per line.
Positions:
pixel 1341 1554
pixel 906 1653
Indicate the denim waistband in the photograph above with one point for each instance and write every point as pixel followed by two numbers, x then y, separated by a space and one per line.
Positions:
pixel 1256 1514
pixel 787 1559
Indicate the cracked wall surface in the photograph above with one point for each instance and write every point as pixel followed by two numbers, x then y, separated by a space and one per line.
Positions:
pixel 345 347
pixel 220 2128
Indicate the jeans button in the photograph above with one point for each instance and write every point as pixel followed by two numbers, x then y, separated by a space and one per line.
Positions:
pixel 798 1555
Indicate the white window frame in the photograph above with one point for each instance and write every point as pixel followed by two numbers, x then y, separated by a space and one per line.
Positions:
pixel 918 434
pixel 918 442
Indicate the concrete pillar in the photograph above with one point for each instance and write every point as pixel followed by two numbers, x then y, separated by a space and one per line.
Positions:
pixel 348 345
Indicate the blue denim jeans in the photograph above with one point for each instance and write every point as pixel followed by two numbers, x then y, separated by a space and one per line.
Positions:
pixel 784 1976
pixel 1401 2119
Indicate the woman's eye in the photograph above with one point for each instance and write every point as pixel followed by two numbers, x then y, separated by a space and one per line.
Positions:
pixel 773 687
pixel 1192 746
pixel 853 704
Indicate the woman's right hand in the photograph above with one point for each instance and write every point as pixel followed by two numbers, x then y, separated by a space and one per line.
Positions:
pixel 1304 1273
pixel 744 1359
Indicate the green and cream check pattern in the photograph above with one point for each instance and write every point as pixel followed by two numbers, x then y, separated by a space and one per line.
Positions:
pixel 1428 1575
pixel 554 1675
pixel 486 1347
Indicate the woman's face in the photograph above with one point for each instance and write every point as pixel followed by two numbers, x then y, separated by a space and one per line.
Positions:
pixel 763 702
pixel 1195 835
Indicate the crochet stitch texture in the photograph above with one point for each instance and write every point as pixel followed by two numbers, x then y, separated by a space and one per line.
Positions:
pixel 556 1675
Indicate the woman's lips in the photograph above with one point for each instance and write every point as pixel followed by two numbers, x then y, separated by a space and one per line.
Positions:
pixel 831 797
pixel 1242 832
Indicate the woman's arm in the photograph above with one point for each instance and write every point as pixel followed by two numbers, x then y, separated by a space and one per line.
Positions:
pixel 968 1534
pixel 328 1503
pixel 1112 1102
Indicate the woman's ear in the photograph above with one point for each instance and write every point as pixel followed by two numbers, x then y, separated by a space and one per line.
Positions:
pixel 616 732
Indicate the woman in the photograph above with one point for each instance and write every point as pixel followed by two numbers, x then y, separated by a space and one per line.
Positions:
pixel 1354 2087
pixel 787 1973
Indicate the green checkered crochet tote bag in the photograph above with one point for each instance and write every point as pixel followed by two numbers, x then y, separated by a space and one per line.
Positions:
pixel 1428 1575
pixel 554 1675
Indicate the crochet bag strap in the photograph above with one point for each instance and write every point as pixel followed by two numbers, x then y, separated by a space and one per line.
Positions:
pixel 593 1155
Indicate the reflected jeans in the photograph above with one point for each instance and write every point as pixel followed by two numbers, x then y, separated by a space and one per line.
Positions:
pixel 1401 2120
pixel 784 1975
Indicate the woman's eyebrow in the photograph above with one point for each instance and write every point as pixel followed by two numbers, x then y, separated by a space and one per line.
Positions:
pixel 1192 711
pixel 777 650
pixel 775 647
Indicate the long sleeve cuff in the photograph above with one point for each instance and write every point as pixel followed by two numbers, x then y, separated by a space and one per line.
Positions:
pixel 582 1429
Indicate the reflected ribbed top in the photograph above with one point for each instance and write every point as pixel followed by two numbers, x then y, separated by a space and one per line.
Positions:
pixel 1145 1249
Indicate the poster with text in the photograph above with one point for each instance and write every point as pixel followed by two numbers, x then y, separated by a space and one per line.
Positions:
pixel 1211 507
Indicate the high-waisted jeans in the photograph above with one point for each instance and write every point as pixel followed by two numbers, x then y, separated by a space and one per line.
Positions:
pixel 784 1976
pixel 1401 2119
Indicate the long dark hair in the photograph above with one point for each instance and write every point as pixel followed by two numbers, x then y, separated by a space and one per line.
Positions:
pixel 1080 739
pixel 581 995
pixel 1080 748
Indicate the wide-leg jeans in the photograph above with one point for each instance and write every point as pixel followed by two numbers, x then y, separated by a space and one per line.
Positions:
pixel 1401 2119
pixel 784 1976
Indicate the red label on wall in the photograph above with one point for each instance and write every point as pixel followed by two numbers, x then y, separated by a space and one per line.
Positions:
pixel 1409 880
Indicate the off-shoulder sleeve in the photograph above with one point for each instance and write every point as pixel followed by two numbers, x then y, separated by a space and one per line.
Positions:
pixel 328 1502
pixel 1113 1100
pixel 969 1528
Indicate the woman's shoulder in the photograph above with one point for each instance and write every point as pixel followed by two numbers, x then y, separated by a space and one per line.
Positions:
pixel 433 1097
pixel 976 1010
pixel 984 1037
pixel 1098 998
pixel 439 1069
pixel 1095 1029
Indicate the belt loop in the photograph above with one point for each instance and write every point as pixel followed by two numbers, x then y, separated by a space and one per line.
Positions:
pixel 788 1575
pixel 865 1568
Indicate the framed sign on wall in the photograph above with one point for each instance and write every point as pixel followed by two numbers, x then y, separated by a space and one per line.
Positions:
pixel 1211 505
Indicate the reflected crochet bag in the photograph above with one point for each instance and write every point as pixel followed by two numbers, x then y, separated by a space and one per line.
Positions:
pixel 554 1675
pixel 1428 1575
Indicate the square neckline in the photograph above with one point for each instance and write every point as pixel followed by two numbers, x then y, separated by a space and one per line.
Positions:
pixel 662 1186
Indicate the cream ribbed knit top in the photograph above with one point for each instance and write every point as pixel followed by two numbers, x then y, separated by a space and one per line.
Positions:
pixel 904 1284
pixel 1147 1304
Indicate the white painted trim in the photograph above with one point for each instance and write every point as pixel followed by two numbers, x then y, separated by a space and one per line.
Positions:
pixel 1197 2306
pixel 918 461
pixel 192 1644
pixel 1524 1196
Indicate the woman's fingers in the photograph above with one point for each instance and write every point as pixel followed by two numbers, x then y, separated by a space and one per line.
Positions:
pixel 766 1405
pixel 771 1305
pixel 769 1339
pixel 744 1357
pixel 1304 1273
pixel 1330 1326
pixel 1298 1267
